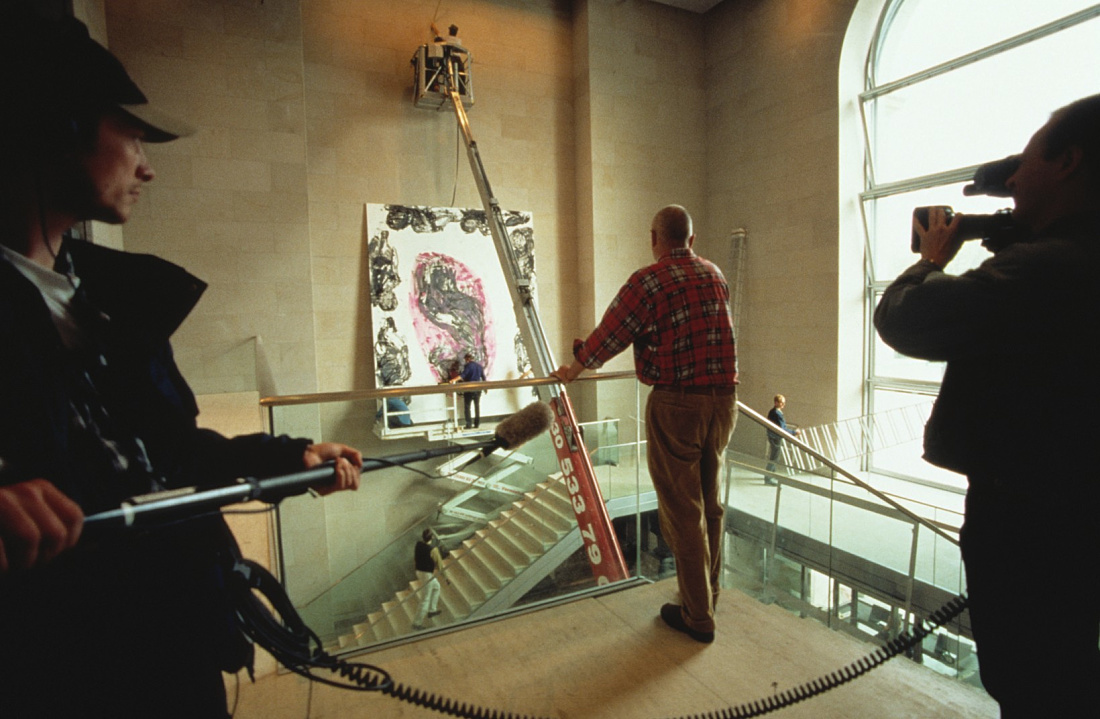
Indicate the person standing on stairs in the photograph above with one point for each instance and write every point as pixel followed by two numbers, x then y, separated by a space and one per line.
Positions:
pixel 775 441
pixel 427 559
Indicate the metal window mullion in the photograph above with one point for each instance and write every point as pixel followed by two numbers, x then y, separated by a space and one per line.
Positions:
pixel 923 182
pixel 983 53
pixel 873 191
pixel 885 20
pixel 868 153
pixel 924 387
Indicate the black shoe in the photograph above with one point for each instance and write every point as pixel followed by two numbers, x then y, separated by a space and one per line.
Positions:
pixel 674 617
pixel 434 614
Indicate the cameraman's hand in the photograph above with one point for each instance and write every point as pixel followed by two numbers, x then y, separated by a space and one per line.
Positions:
pixel 939 243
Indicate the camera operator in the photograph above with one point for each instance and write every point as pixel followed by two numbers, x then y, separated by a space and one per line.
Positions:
pixel 1020 335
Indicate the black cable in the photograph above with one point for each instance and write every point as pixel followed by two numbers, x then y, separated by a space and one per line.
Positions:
pixel 288 640
pixel 904 642
pixel 388 463
pixel 383 460
pixel 298 648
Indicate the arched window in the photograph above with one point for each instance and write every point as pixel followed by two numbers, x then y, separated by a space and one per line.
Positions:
pixel 949 85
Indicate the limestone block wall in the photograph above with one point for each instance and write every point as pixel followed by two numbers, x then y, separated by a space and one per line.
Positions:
pixel 643 123
pixel 230 202
pixel 772 168
pixel 592 114
pixel 368 143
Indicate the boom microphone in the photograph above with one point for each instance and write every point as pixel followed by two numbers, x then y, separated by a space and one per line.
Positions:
pixel 521 427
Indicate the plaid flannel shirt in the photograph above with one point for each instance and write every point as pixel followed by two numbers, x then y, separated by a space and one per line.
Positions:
pixel 676 313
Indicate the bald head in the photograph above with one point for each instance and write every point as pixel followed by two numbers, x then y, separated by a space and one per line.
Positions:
pixel 671 230
pixel 672 225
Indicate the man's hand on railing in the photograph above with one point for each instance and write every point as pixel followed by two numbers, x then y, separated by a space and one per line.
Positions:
pixel 568 373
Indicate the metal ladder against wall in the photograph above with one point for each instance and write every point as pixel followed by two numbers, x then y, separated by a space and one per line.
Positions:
pixel 738 241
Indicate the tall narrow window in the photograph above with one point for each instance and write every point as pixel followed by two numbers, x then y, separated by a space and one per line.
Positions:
pixel 950 85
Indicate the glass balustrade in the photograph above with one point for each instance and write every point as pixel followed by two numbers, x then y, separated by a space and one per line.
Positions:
pixel 506 520
pixel 802 534
pixel 800 531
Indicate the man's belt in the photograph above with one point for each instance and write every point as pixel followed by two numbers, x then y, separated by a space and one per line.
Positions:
pixel 715 390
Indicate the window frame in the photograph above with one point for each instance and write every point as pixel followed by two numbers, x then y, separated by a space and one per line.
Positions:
pixel 873 191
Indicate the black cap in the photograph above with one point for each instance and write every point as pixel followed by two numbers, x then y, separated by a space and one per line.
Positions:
pixel 50 68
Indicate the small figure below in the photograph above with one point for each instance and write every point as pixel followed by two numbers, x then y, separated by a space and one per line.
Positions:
pixel 775 440
pixel 471 401
pixel 427 558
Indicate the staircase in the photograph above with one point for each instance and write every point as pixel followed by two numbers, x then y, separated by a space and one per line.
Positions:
pixel 856 437
pixel 492 569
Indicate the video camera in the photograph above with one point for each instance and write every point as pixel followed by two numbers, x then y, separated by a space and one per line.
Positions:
pixel 996 231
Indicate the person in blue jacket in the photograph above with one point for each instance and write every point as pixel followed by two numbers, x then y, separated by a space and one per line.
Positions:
pixel 775 441
pixel 472 371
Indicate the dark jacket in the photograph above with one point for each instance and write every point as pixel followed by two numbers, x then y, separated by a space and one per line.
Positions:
pixel 1019 334
pixel 775 416
pixel 149 604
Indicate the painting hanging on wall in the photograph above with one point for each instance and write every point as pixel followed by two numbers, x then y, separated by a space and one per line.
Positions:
pixel 438 293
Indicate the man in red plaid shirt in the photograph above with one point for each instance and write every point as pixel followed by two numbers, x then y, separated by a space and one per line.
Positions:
pixel 676 313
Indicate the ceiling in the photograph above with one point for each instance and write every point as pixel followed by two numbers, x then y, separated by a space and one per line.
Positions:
pixel 699 6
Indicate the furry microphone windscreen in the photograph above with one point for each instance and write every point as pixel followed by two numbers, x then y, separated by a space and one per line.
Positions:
pixel 525 425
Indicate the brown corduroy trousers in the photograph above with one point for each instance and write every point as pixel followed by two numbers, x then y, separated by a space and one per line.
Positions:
pixel 686 435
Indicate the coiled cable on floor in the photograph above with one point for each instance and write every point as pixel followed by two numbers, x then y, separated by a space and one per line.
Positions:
pixel 298 648
pixel 289 640
pixel 901 643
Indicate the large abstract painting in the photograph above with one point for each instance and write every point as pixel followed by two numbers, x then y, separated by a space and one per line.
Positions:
pixel 438 292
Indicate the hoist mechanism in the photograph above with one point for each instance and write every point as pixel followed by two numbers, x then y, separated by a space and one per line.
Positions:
pixel 431 81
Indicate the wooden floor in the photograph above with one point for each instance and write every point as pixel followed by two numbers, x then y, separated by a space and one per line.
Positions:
pixel 610 657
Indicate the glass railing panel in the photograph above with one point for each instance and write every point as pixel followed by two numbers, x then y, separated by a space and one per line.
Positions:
pixel 802 533
pixel 773 497
pixel 505 519
pixel 940 577
pixel 814 542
